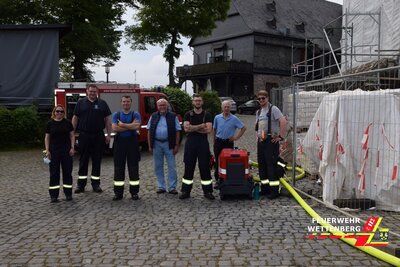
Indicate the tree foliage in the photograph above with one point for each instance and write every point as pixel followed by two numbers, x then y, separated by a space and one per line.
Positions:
pixel 179 99
pixel 18 122
pixel 211 102
pixel 95 35
pixel 165 22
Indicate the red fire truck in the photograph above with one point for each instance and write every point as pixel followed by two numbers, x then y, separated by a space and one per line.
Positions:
pixel 144 102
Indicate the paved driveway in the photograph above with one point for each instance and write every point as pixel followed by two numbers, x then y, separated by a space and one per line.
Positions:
pixel 157 230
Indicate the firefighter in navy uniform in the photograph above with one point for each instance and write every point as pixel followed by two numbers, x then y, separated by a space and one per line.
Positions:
pixel 270 127
pixel 59 142
pixel 91 116
pixel 126 149
pixel 198 124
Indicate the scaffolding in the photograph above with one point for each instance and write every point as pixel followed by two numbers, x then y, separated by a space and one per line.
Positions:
pixel 349 57
pixel 352 65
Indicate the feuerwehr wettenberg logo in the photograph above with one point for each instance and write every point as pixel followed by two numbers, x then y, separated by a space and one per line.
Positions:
pixel 366 235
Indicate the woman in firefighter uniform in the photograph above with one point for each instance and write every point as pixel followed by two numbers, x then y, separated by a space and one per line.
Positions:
pixel 270 127
pixel 59 142
pixel 198 124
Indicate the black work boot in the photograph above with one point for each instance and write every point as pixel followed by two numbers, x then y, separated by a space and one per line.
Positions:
pixel 184 195
pixel 117 197
pixel 209 196
pixel 273 195
pixel 79 190
pixel 97 189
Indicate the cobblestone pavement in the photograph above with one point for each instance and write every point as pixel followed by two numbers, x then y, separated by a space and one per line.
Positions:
pixel 157 230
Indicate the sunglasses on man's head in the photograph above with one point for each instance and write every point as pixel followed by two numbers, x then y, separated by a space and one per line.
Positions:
pixel 59 111
pixel 261 98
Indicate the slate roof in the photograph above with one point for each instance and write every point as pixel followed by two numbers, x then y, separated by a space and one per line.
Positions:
pixel 251 17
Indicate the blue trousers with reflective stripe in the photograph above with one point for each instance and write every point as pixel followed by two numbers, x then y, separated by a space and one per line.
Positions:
pixel 126 152
pixel 267 156
pixel 60 157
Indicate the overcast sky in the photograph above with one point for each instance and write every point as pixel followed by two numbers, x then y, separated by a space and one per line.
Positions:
pixel 150 66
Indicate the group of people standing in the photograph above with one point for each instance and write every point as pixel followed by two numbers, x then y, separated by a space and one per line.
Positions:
pixel 92 115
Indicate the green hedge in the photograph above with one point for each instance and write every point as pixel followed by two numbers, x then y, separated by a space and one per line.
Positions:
pixel 20 127
pixel 211 102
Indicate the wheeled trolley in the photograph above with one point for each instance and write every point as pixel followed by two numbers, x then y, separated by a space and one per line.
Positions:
pixel 233 171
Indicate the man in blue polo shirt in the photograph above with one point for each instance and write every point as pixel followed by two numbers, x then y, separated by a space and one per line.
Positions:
pixel 225 132
pixel 126 149
pixel 163 139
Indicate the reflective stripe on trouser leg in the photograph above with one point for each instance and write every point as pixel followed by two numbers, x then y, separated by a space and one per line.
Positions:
pixel 82 180
pixel 134 186
pixel 187 185
pixel 54 191
pixel 186 181
pixel 95 180
pixel 206 182
pixel 275 186
pixel 265 182
pixel 207 185
pixel 67 188
pixel 134 183
pixel 274 183
pixel 119 183
pixel 281 164
pixel 54 187
pixel 119 188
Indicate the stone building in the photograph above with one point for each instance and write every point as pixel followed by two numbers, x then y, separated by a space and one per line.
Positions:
pixel 255 47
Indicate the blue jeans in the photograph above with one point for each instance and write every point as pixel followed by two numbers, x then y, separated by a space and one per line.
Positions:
pixel 161 149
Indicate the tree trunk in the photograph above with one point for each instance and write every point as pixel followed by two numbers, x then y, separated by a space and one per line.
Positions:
pixel 171 52
pixel 79 72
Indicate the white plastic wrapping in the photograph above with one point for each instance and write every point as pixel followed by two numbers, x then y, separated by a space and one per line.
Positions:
pixel 346 126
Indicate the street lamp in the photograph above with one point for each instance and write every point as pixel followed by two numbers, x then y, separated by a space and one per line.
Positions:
pixel 107 69
pixel 185 70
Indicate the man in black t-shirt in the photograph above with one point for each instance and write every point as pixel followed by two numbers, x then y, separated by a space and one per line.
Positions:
pixel 91 116
pixel 198 124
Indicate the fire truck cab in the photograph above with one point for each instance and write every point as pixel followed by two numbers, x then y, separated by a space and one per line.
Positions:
pixel 67 94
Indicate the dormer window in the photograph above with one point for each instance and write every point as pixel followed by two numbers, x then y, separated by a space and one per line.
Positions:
pixel 300 27
pixel 271 6
pixel 271 22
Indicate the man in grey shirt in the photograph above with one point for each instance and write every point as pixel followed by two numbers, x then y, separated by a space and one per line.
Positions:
pixel 270 127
